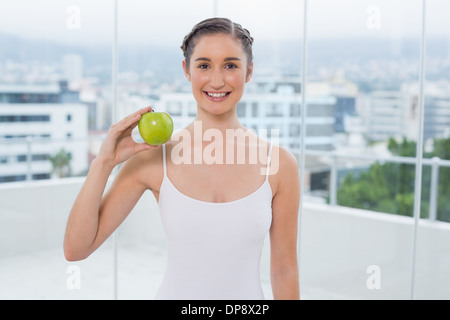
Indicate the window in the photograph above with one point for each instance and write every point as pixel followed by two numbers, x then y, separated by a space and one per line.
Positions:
pixel 174 108
pixel 255 110
pixel 362 120
pixel 241 109
pixel 436 166
pixel 39 157
pixel 55 66
pixel 24 118
pixel 9 178
pixel 275 110
pixel 295 109
pixel 41 176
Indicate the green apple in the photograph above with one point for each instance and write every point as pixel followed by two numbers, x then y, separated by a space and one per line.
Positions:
pixel 155 127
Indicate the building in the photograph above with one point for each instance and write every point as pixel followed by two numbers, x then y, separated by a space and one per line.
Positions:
pixel 72 68
pixel 386 115
pixel 396 113
pixel 47 93
pixel 37 122
pixel 437 116
pixel 345 92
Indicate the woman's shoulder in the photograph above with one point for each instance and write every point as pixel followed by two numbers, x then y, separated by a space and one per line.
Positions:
pixel 287 157
pixel 145 167
pixel 283 160
pixel 146 158
pixel 284 170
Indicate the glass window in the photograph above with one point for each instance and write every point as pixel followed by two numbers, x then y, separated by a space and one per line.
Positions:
pixel 362 234
pixel 150 70
pixel 362 57
pixel 433 232
pixel 55 67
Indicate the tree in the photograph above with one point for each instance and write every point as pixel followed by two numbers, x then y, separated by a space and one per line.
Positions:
pixel 441 149
pixel 389 187
pixel 61 163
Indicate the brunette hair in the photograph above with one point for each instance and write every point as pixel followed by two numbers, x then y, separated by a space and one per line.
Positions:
pixel 215 26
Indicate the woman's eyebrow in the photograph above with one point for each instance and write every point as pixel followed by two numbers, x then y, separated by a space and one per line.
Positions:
pixel 231 59
pixel 209 60
pixel 203 59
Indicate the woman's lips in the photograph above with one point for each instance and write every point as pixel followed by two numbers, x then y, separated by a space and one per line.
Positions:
pixel 216 96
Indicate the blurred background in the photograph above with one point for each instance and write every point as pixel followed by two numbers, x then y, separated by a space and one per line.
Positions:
pixel 370 89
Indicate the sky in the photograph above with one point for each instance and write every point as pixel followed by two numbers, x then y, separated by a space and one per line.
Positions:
pixel 167 21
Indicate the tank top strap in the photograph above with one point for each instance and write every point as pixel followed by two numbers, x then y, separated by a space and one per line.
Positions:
pixel 164 160
pixel 268 161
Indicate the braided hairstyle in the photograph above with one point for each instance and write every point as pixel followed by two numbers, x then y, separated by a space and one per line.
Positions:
pixel 215 26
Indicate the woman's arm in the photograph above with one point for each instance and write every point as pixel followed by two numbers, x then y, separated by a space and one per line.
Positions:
pixel 94 217
pixel 283 231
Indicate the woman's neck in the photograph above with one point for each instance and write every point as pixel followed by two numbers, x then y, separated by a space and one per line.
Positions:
pixel 220 122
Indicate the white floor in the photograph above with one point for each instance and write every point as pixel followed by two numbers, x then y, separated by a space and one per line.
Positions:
pixel 47 275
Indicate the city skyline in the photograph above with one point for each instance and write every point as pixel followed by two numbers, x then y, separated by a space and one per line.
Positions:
pixel 166 22
pixel 380 63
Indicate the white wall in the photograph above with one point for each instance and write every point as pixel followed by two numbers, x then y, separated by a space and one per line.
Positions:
pixel 337 244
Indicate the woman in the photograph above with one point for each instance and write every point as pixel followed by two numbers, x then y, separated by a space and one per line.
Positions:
pixel 215 214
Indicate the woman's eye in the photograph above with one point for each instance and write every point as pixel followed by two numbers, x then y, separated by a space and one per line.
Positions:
pixel 230 66
pixel 203 66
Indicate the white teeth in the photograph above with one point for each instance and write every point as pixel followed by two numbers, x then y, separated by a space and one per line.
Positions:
pixel 216 95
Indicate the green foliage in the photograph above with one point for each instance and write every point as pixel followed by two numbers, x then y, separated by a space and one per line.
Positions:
pixel 404 149
pixel 442 148
pixel 61 163
pixel 389 187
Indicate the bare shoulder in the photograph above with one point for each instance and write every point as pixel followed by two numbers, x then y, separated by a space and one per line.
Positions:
pixel 283 161
pixel 283 168
pixel 288 162
pixel 145 168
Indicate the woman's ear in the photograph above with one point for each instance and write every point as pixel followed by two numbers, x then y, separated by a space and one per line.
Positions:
pixel 249 73
pixel 186 71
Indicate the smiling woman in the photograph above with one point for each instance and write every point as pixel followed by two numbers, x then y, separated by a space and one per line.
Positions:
pixel 217 215
pixel 217 225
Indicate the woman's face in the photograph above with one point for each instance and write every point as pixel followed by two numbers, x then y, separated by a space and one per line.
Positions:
pixel 218 71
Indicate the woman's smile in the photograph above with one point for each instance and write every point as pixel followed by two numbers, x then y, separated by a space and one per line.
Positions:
pixel 217 96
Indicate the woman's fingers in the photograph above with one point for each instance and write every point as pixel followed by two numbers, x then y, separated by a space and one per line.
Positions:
pixel 119 144
pixel 144 110
pixel 131 120
pixel 134 117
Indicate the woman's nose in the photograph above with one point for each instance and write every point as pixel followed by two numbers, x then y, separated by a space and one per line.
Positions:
pixel 217 80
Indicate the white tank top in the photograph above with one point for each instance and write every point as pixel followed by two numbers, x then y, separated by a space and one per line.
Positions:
pixel 213 249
